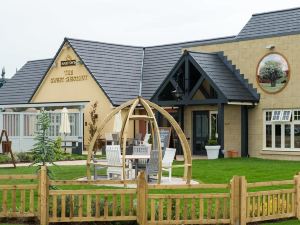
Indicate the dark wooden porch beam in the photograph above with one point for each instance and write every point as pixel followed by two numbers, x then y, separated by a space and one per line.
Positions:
pixel 186 76
pixel 221 128
pixel 166 81
pixel 244 131
pixel 192 102
pixel 174 83
pixel 196 87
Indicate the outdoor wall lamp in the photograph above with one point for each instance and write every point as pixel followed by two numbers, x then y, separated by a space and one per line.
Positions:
pixel 79 62
pixel 270 47
pixel 177 92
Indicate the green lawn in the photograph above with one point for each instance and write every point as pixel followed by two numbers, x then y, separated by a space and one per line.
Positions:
pixel 206 171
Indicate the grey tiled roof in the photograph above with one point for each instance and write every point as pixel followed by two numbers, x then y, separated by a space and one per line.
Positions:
pixel 225 77
pixel 274 23
pixel 22 85
pixel 159 60
pixel 117 68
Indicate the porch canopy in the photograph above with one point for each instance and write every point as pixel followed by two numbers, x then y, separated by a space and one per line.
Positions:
pixel 207 79
pixel 20 122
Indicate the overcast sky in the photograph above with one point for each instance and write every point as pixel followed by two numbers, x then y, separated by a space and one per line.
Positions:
pixel 34 29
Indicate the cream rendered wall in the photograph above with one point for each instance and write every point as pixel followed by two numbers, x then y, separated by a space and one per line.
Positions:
pixel 246 56
pixel 232 128
pixel 85 90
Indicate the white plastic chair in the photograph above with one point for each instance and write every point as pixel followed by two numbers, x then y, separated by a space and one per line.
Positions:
pixel 167 161
pixel 152 165
pixel 141 150
pixel 146 139
pixel 99 164
pixel 108 139
pixel 114 162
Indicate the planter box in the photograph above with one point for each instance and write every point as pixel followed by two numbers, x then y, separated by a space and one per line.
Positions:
pixel 212 151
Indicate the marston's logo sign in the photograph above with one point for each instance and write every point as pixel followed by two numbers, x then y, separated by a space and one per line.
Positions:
pixel 68 62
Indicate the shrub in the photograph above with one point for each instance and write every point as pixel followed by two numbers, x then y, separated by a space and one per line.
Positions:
pixel 24 157
pixel 5 158
pixel 212 142
pixel 58 152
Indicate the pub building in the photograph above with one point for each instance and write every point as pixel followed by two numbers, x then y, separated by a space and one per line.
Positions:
pixel 243 88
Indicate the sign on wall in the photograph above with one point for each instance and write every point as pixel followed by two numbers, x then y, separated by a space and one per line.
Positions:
pixel 69 75
pixel 68 62
pixel 273 73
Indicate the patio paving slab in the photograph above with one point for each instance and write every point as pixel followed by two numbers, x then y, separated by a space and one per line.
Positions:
pixel 164 181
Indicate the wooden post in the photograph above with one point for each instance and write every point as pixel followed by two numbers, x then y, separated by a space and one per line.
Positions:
pixel 142 192
pixel 235 200
pixel 297 195
pixel 243 201
pixel 44 196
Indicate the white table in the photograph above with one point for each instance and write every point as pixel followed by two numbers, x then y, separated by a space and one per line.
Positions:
pixel 136 158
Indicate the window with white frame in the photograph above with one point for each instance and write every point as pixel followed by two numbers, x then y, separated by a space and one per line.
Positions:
pixel 282 129
pixel 276 115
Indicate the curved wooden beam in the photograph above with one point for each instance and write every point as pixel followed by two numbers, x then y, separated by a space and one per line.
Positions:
pixel 100 128
pixel 124 134
pixel 156 129
pixel 184 143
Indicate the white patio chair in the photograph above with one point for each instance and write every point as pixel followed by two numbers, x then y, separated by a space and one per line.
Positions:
pixel 146 139
pixel 115 138
pixel 114 162
pixel 152 165
pixel 141 150
pixel 108 139
pixel 99 164
pixel 167 161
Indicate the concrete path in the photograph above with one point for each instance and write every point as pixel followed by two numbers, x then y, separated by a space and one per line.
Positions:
pixel 59 163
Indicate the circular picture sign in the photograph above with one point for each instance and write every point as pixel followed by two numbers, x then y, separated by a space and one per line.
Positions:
pixel 273 73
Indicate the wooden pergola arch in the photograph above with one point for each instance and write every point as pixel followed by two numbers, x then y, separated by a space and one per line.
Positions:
pixel 148 106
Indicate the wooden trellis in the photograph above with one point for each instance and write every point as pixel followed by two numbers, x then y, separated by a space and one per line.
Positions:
pixel 148 106
pixel 6 146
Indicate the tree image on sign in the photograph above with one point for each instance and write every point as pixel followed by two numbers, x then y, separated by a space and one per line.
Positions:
pixel 271 71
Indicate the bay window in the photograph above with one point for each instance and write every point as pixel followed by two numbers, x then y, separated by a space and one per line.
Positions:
pixel 282 130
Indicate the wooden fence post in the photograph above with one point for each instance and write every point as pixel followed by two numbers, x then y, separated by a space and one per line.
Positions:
pixel 243 201
pixel 297 195
pixel 44 196
pixel 142 192
pixel 235 200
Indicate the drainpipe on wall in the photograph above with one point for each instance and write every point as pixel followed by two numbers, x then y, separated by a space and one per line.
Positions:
pixel 142 68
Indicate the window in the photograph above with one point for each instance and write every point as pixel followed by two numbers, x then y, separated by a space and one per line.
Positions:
pixel 282 130
pixel 297 115
pixel 268 115
pixel 213 124
pixel 269 136
pixel 276 115
pixel 286 115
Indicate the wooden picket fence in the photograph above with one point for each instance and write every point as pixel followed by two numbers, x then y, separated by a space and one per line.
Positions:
pixel 237 202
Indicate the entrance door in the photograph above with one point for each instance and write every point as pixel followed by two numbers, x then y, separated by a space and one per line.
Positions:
pixel 200 131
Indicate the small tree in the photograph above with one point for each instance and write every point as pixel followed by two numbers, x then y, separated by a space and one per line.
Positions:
pixel 43 150
pixel 93 122
pixel 272 71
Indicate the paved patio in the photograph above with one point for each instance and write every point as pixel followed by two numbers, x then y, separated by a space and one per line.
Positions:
pixel 164 181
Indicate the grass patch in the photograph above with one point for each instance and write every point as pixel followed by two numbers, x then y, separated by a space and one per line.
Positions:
pixel 205 171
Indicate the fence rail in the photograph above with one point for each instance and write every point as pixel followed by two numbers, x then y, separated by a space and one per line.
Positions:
pixel 237 202
pixel 19 200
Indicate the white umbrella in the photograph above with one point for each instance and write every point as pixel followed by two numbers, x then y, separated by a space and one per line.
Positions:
pixel 118 122
pixel 64 123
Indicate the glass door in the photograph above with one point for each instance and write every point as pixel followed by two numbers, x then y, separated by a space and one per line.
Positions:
pixel 200 131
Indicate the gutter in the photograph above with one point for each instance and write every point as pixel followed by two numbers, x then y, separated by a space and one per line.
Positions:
pixel 142 69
